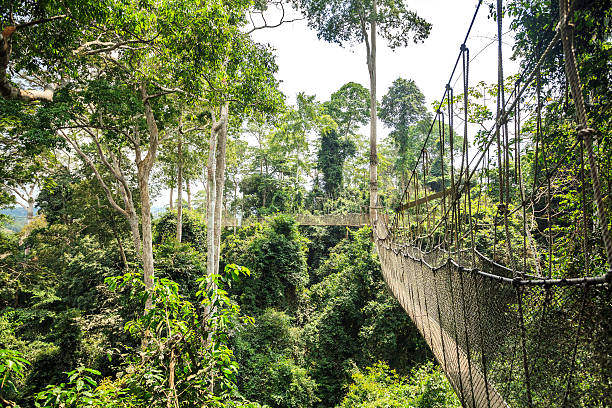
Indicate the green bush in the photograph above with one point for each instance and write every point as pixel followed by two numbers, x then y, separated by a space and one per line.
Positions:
pixel 380 386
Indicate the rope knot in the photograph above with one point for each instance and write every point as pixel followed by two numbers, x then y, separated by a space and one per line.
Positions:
pixel 584 133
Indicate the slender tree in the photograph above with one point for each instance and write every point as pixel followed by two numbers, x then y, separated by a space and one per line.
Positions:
pixel 351 21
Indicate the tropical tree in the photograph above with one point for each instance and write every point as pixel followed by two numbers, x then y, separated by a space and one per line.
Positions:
pixel 402 108
pixel 332 153
pixel 350 21
pixel 124 92
pixel 349 107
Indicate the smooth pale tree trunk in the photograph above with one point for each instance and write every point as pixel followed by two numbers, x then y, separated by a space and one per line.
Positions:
pixel 135 229
pixel 211 193
pixel 188 187
pixel 147 233
pixel 171 198
pixel 179 190
pixel 373 120
pixel 220 179
pixel 30 209
pixel 144 167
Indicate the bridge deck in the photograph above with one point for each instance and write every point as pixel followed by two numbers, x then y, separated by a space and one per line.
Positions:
pixel 467 380
pixel 348 220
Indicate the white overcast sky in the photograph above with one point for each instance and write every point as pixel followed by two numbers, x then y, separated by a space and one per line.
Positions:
pixel 307 64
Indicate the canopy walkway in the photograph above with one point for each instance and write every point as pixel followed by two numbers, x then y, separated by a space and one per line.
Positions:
pixel 348 220
pixel 508 279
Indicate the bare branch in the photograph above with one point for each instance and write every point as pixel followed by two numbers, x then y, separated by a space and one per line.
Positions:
pixel 41 21
pixel 281 21
pixel 93 167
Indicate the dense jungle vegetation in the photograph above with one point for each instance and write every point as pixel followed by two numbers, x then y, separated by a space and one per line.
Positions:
pixel 108 301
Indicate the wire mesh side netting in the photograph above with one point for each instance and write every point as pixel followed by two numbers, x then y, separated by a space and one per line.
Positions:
pixel 504 344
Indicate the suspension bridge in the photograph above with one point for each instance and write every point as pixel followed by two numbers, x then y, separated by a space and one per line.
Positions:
pixel 506 278
pixel 346 220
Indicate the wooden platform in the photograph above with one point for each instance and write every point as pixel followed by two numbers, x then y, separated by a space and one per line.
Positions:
pixel 347 220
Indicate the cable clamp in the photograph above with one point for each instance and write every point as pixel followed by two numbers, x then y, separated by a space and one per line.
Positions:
pixel 448 87
pixel 463 47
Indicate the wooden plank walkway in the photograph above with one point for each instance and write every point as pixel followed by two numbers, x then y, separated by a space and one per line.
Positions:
pixel 467 379
pixel 348 220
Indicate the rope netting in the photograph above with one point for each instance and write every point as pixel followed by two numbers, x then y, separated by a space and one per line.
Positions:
pixel 501 255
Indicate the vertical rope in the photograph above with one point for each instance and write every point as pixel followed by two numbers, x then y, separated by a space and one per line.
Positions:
pixel 571 71
pixel 467 338
pixel 519 172
pixel 585 229
pixel 466 77
pixel 483 353
pixel 575 349
pixel 519 296
pixel 450 285
pixel 440 322
pixel 441 128
pixel 502 126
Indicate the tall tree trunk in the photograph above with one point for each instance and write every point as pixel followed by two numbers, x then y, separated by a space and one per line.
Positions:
pixel 147 233
pixel 188 186
pixel 144 167
pixel 30 209
pixel 119 243
pixel 135 229
pixel 220 179
pixel 211 192
pixel 373 120
pixel 179 190
pixel 171 198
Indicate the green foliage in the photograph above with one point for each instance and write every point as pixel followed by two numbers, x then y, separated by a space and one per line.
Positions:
pixel 402 106
pixel 349 107
pixel 320 241
pixel 271 363
pixel 181 263
pixel 331 156
pixel 341 21
pixel 194 228
pixel 380 386
pixel 276 255
pixel 82 390
pixel 266 195
pixel 353 320
pixel 12 366
pixel 184 357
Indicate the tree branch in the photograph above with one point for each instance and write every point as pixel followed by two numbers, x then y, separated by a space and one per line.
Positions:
pixel 7 89
pixel 41 21
pixel 266 25
pixel 153 131
pixel 92 165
